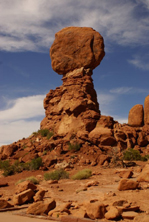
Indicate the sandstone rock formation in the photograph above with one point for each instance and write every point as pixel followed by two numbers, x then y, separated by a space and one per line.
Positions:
pixel 72 106
pixel 146 110
pixel 136 116
pixel 76 47
pixel 72 112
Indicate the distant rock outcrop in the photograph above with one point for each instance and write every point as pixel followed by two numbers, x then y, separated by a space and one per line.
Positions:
pixel 146 110
pixel 136 116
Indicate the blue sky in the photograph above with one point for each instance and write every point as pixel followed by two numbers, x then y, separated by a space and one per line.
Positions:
pixel 27 30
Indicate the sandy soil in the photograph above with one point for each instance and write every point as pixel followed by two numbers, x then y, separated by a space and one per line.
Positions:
pixel 10 217
pixel 70 190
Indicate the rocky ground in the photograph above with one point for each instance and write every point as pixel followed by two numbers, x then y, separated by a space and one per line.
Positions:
pixel 109 194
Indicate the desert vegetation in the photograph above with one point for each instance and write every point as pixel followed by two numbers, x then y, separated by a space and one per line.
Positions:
pixel 17 167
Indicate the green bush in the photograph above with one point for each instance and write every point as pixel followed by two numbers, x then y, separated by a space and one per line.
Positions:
pixel 56 175
pixel 83 174
pixel 31 179
pixel 18 167
pixel 132 154
pixel 46 133
pixel 35 164
pixel 4 164
pixel 7 168
pixel 74 147
pixel 50 134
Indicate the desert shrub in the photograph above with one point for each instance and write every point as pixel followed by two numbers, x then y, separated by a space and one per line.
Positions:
pixel 46 133
pixel 83 174
pixel 20 181
pixel 18 167
pixel 6 167
pixel 4 164
pixel 56 175
pixel 35 164
pixel 44 152
pixel 31 179
pixel 74 147
pixel 145 158
pixel 50 134
pixel 131 154
pixel 35 133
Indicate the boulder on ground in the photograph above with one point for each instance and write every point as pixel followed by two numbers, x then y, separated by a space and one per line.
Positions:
pixel 95 210
pixel 126 174
pixel 39 195
pixel 4 204
pixel 127 184
pixel 40 208
pixel 25 185
pixel 141 218
pixel 113 213
pixel 23 197
pixel 144 175
pixel 129 215
pixel 76 47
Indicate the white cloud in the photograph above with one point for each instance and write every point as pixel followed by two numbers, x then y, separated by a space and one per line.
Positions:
pixel 31 25
pixel 23 108
pixel 108 105
pixel 141 62
pixel 128 90
pixel 13 131
pixel 121 90
pixel 21 117
pixel 120 119
pixel 105 102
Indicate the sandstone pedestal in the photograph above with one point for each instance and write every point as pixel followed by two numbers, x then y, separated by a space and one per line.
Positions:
pixel 73 106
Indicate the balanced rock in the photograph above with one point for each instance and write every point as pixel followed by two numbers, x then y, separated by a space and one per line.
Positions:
pixel 146 110
pixel 136 116
pixel 76 47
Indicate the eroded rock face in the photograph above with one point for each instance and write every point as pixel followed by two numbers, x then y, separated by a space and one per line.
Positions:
pixel 136 116
pixel 72 106
pixel 146 110
pixel 76 47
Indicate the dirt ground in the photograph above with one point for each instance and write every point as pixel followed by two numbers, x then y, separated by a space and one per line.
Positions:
pixel 73 190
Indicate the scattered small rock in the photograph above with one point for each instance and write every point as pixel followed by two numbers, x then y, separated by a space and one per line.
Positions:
pixel 113 213
pixel 129 215
pixel 40 208
pixel 126 184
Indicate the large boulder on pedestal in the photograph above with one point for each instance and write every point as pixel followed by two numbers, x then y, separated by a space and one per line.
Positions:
pixel 76 47
pixel 73 107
